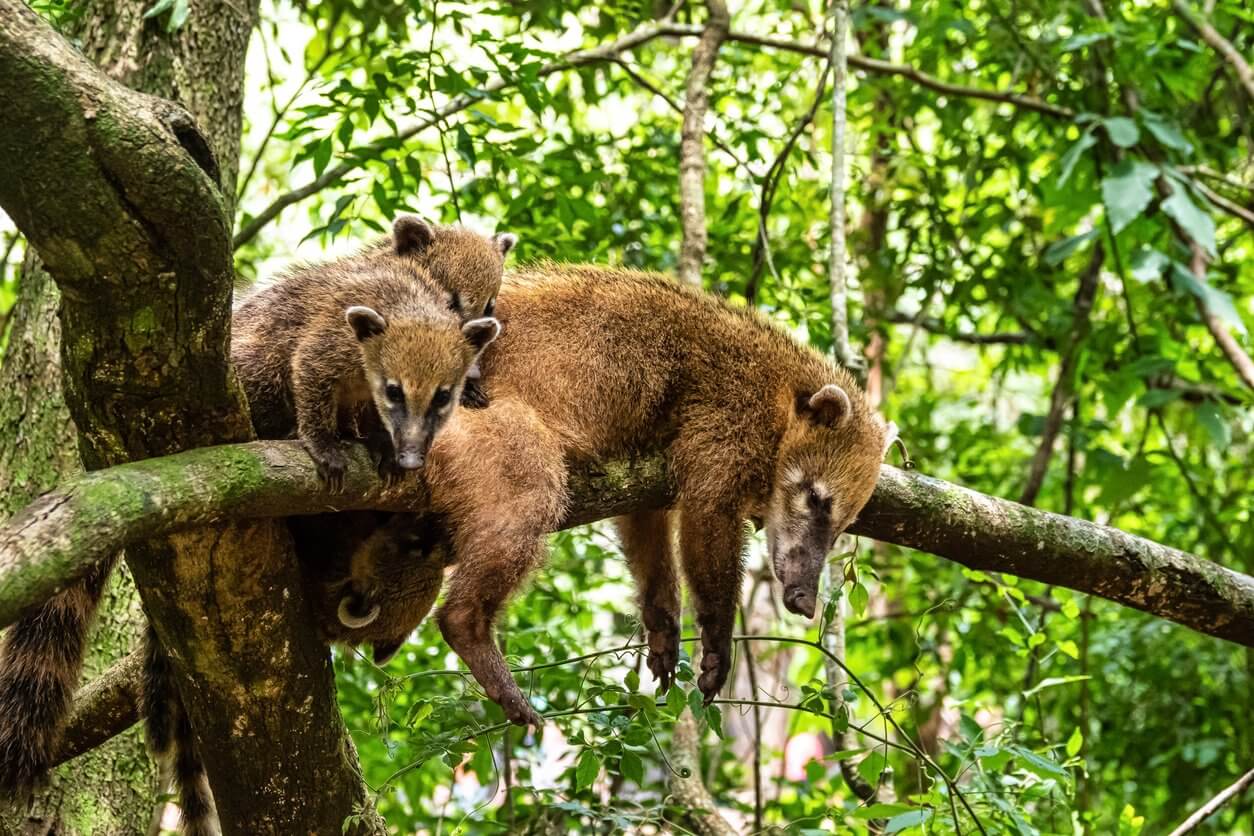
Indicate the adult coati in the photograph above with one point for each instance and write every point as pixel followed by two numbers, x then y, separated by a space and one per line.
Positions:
pixel 751 423
pixel 41 655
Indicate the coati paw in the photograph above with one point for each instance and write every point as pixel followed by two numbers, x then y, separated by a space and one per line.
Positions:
pixel 714 670
pixel 473 396
pixel 518 711
pixel 332 465
pixel 664 654
pixel 391 473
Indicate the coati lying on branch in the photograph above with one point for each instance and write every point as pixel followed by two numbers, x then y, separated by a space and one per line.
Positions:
pixel 595 363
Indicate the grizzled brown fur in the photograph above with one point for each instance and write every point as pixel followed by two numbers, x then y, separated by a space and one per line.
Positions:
pixel 328 349
pixel 381 569
pixel 595 363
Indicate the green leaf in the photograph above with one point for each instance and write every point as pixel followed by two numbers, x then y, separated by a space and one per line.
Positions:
pixel 675 701
pixel 1052 681
pixel 322 156
pixel 858 598
pixel 882 810
pixel 1041 766
pixel 1168 133
pixel 587 769
pixel 1067 164
pixel 1074 743
pixel 178 16
pixel 912 819
pixel 1070 648
pixel 714 717
pixel 632 767
pixel 1199 225
pixel 1126 191
pixel 871 767
pixel 158 8
pixel 1214 299
pixel 1058 251
pixel 465 145
pixel 1212 420
pixel 1147 264
pixel 696 703
pixel 1122 131
pixel 632 681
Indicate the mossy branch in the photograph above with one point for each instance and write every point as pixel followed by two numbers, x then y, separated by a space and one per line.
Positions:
pixel 56 538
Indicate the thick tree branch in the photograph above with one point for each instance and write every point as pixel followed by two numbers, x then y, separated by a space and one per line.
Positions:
pixel 1220 44
pixel 336 173
pixel 63 533
pixel 686 784
pixel 692 145
pixel 104 708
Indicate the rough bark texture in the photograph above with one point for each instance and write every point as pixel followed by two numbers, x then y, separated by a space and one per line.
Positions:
pixel 65 531
pixel 145 316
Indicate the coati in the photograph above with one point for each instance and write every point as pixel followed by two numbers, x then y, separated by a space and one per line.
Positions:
pixel 370 576
pixel 463 264
pixel 596 363
pixel 344 347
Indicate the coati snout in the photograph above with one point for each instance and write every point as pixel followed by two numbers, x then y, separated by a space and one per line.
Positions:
pixel 414 396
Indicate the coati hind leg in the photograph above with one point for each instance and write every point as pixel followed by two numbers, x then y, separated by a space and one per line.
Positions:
pixel 646 538
pixel 499 476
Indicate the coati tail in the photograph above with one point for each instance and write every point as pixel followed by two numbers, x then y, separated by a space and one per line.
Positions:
pixel 41 657
pixel 170 738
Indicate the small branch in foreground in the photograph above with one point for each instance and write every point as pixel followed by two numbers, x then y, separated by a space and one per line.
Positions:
pixel 935 326
pixel 1219 329
pixel 1211 807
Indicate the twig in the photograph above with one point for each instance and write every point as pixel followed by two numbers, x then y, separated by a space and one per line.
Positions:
pixel 838 260
pixel 692 145
pixel 935 326
pixel 751 668
pixel 1210 807
pixel 1065 385
pixel 1210 173
pixel 1231 207
pixel 439 120
pixel 1221 45
pixel 1228 344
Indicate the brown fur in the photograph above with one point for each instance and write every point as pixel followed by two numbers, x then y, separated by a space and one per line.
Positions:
pixel 304 366
pixel 596 363
pixel 367 559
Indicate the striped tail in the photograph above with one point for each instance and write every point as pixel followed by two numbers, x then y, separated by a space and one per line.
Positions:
pixel 170 737
pixel 41 658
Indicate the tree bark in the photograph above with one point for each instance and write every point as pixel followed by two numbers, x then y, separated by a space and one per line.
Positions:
pixel 67 530
pixel 145 315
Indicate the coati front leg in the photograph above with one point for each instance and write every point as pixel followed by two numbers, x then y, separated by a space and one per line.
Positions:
pixel 646 539
pixel 711 540
pixel 315 382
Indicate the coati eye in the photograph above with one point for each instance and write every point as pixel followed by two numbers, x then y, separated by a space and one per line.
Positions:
pixel 441 398
pixel 395 393
pixel 812 496
pixel 489 308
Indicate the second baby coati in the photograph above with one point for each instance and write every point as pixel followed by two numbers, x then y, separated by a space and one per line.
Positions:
pixel 357 346
pixel 595 363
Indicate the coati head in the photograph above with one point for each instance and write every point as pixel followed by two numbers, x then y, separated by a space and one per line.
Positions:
pixel 465 264
pixel 381 591
pixel 415 369
pixel 827 467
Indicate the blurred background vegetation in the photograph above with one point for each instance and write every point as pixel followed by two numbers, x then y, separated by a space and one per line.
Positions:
pixel 1050 216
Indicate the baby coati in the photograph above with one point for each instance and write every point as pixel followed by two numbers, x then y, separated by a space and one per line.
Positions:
pixel 370 576
pixel 464 265
pixel 357 346
pixel 597 363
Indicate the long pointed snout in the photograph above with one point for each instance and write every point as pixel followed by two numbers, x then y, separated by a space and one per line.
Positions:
pixel 410 459
pixel 800 600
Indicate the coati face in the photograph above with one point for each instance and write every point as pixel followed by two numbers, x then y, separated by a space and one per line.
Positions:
pixel 392 580
pixel 828 464
pixel 466 264
pixel 415 370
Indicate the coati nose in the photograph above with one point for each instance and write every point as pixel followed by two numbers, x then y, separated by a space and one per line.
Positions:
pixel 800 601
pixel 409 460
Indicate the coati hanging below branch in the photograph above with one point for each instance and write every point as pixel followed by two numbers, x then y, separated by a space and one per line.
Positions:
pixel 597 363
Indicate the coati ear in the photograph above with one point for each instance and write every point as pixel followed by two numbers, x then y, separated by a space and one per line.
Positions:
pixel 350 613
pixel 890 435
pixel 383 651
pixel 366 322
pixel 829 406
pixel 505 242
pixel 411 235
pixel 480 332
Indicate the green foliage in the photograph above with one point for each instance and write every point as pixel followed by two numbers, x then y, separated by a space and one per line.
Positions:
pixel 1049 712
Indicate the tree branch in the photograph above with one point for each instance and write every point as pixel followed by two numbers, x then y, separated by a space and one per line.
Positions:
pixel 1210 807
pixel 686 784
pixel 1221 45
pixel 60 535
pixel 103 708
pixel 1219 329
pixel 935 326
pixel 692 145
pixel 336 173
pixel 878 67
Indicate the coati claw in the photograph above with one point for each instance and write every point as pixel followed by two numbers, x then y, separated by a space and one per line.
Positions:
pixel 519 712
pixel 714 670
pixel 332 465
pixel 664 653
